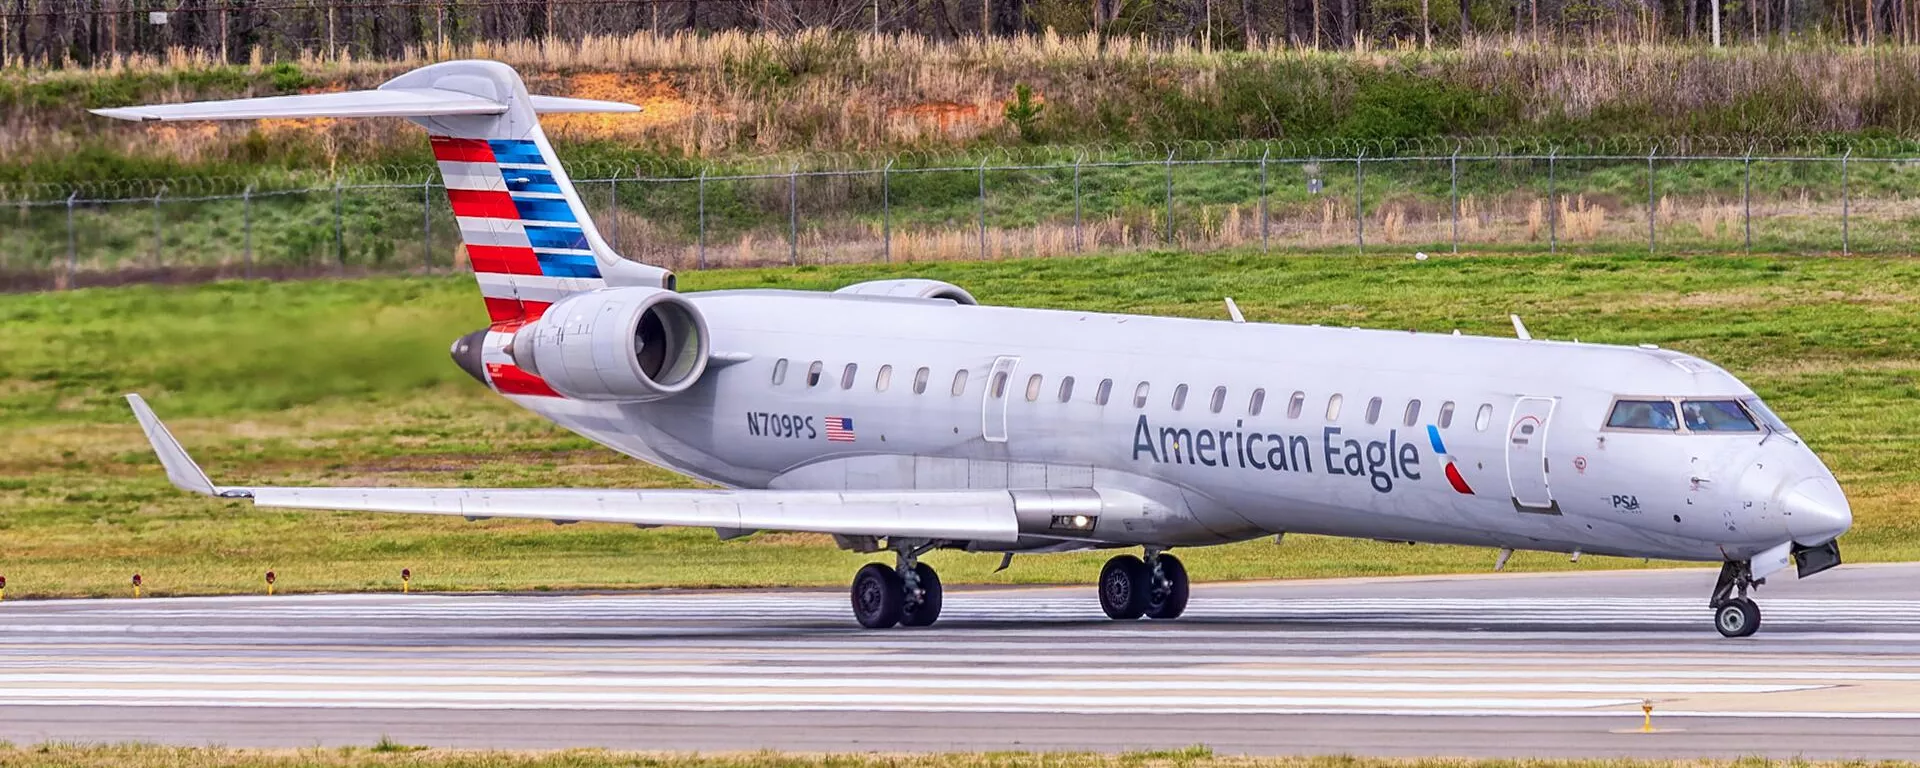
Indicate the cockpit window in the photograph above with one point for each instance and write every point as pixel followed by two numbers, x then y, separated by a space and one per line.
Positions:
pixel 1643 414
pixel 1716 416
pixel 1765 415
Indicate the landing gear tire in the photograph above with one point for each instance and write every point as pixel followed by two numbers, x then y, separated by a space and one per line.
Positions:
pixel 1126 587
pixel 1738 617
pixel 879 596
pixel 1735 614
pixel 923 612
pixel 1170 590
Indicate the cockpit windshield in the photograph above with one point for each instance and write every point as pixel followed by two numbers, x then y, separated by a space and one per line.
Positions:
pixel 1643 414
pixel 1716 416
pixel 1765 415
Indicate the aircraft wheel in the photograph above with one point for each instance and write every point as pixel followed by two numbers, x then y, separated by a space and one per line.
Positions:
pixel 1739 617
pixel 1126 586
pixel 878 596
pixel 1170 600
pixel 924 612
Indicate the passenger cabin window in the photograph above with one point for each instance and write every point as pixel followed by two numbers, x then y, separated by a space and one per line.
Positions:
pixel 1257 401
pixel 1446 414
pixel 1066 388
pixel 1103 392
pixel 959 382
pixel 1033 388
pixel 883 378
pixel 1296 404
pixel 1413 413
pixel 1219 399
pixel 1643 414
pixel 1180 397
pixel 813 374
pixel 999 387
pixel 779 371
pixel 1140 395
pixel 1716 416
pixel 1483 418
pixel 920 380
pixel 1333 408
pixel 1373 410
pixel 846 376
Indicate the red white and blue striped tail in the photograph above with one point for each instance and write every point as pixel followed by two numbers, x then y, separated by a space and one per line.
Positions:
pixel 527 234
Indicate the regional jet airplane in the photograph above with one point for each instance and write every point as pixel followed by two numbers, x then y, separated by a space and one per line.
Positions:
pixel 904 416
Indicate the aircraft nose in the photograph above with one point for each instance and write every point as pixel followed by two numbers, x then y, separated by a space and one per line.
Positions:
pixel 1816 511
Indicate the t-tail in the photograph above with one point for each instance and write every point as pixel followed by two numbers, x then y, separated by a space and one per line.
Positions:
pixel 527 234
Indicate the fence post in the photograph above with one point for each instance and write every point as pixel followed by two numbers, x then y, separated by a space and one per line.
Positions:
pixel 613 211
pixel 1453 171
pixel 1846 205
pixel 159 236
pixel 886 212
pixel 793 215
pixel 1746 199
pixel 1359 204
pixel 246 228
pixel 1263 199
pixel 339 229
pixel 703 218
pixel 983 209
pixel 1553 205
pixel 1169 239
pixel 73 241
pixel 1078 244
pixel 1650 237
pixel 426 225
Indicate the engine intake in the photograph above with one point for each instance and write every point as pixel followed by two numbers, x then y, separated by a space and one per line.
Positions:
pixel 623 344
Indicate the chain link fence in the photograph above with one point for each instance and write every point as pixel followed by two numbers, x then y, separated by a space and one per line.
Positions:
pixel 831 209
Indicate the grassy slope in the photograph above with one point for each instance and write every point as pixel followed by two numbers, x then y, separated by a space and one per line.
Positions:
pixel 346 382
pixel 141 756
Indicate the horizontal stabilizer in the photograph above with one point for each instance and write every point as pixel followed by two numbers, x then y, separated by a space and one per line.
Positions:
pixel 961 515
pixel 386 102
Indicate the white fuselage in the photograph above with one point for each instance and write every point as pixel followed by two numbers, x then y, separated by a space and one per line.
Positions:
pixel 1524 425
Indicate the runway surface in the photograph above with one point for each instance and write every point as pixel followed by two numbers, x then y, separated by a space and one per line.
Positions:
pixel 1510 664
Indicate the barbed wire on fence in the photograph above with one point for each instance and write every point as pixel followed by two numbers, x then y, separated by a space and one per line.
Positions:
pixel 1862 149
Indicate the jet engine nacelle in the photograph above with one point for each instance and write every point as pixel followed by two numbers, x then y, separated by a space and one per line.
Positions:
pixel 914 288
pixel 624 344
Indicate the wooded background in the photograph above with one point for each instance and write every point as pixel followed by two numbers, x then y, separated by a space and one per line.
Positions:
pixel 83 32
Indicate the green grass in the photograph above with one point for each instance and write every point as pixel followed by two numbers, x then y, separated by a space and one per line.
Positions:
pixel 347 382
pixel 149 756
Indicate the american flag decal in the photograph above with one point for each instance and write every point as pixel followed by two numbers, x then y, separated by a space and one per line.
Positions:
pixel 839 429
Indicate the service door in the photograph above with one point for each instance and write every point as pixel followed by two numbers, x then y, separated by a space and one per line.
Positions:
pixel 1527 454
pixel 993 404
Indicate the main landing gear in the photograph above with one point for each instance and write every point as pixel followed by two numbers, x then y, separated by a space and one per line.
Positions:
pixel 907 595
pixel 1156 587
pixel 1735 614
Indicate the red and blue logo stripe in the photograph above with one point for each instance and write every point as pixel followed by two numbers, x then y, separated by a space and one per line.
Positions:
pixel 1453 473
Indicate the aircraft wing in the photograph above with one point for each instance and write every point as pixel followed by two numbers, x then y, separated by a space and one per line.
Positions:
pixel 968 515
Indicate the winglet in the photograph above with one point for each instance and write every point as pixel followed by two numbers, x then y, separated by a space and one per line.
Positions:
pixel 181 471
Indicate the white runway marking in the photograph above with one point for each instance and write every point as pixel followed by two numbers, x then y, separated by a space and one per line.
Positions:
pixel 1005 651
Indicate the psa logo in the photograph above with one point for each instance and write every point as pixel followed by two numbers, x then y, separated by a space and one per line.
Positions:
pixel 1626 502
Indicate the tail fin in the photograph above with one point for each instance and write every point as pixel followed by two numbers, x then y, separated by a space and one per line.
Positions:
pixel 527 233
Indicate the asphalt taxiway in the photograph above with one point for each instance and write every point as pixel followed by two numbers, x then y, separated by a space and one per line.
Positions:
pixel 1508 664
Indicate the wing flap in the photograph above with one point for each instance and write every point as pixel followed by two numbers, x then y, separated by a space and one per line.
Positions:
pixel 967 515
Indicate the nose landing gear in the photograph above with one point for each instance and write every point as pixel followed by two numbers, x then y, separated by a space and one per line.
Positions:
pixel 908 595
pixel 1156 588
pixel 1735 614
